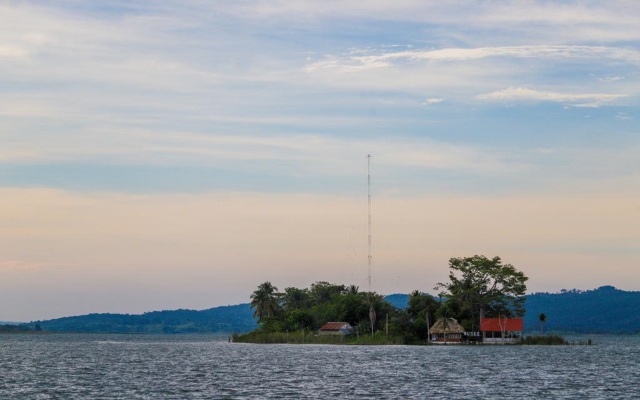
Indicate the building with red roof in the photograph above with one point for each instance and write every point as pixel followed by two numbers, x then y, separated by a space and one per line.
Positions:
pixel 501 329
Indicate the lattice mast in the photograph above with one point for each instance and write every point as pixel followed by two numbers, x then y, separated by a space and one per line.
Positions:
pixel 369 220
pixel 372 311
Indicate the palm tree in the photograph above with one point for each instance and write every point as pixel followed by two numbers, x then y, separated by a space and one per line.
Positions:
pixel 542 317
pixel 352 289
pixel 265 301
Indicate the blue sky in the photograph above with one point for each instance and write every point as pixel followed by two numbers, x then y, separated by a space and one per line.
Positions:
pixel 134 137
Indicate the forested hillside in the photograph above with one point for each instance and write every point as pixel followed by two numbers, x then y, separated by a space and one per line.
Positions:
pixel 602 310
pixel 225 319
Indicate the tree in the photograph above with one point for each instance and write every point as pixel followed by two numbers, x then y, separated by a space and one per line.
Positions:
pixel 422 305
pixel 353 289
pixel 295 299
pixel 299 319
pixel 542 317
pixel 265 301
pixel 323 292
pixel 480 286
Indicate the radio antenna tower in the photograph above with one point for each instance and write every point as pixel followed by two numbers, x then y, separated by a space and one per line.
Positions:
pixel 369 210
pixel 372 311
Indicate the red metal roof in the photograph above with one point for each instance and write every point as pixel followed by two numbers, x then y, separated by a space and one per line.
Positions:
pixel 333 326
pixel 501 324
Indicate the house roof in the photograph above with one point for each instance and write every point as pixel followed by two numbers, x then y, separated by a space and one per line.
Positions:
pixel 335 326
pixel 451 326
pixel 501 324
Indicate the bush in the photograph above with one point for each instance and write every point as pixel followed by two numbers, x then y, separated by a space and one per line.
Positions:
pixel 544 340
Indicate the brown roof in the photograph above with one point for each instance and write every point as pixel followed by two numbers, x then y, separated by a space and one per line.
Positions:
pixel 333 326
pixel 452 326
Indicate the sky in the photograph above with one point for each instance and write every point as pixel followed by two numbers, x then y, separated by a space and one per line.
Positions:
pixel 177 153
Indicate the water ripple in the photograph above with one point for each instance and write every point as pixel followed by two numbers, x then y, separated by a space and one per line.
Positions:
pixel 206 367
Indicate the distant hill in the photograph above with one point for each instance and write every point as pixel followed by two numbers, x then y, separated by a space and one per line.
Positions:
pixel 602 310
pixel 238 318
pixel 398 300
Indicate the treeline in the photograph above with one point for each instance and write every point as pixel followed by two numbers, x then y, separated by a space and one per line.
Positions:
pixel 219 319
pixel 478 286
pixel 16 328
pixel 307 309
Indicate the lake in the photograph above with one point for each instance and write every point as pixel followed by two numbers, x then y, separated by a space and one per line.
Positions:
pixel 70 366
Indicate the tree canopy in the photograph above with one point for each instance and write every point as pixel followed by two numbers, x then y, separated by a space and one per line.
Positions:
pixel 479 286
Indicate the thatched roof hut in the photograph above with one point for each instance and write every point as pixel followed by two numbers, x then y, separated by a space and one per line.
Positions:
pixel 448 325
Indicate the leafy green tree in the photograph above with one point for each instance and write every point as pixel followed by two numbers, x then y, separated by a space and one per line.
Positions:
pixel 265 301
pixel 351 308
pixel 295 299
pixel 323 292
pixel 481 286
pixel 299 319
pixel 542 317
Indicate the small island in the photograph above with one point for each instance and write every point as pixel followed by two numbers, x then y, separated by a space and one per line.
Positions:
pixel 483 302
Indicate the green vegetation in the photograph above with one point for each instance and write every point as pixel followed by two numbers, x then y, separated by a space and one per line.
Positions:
pixel 478 286
pixel 542 317
pixel 283 316
pixel 12 328
pixel 306 337
pixel 545 340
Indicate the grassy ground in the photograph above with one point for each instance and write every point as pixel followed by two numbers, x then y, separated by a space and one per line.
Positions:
pixel 545 340
pixel 311 338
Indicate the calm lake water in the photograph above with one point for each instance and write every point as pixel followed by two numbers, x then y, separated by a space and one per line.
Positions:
pixel 206 367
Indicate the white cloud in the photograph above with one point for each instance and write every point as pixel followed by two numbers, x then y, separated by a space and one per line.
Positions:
pixel 432 100
pixel 611 78
pixel 623 116
pixel 353 63
pixel 526 94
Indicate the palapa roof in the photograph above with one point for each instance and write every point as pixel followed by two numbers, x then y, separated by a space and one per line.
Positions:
pixel 451 326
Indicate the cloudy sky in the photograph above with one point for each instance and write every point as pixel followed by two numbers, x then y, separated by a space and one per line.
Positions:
pixel 177 153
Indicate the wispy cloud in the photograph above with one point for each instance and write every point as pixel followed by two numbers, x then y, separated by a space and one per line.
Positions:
pixel 623 116
pixel 358 62
pixel 432 100
pixel 329 155
pixel 15 265
pixel 576 99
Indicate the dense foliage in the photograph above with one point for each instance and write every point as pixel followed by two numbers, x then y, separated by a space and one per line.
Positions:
pixel 481 287
pixel 14 328
pixel 297 310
